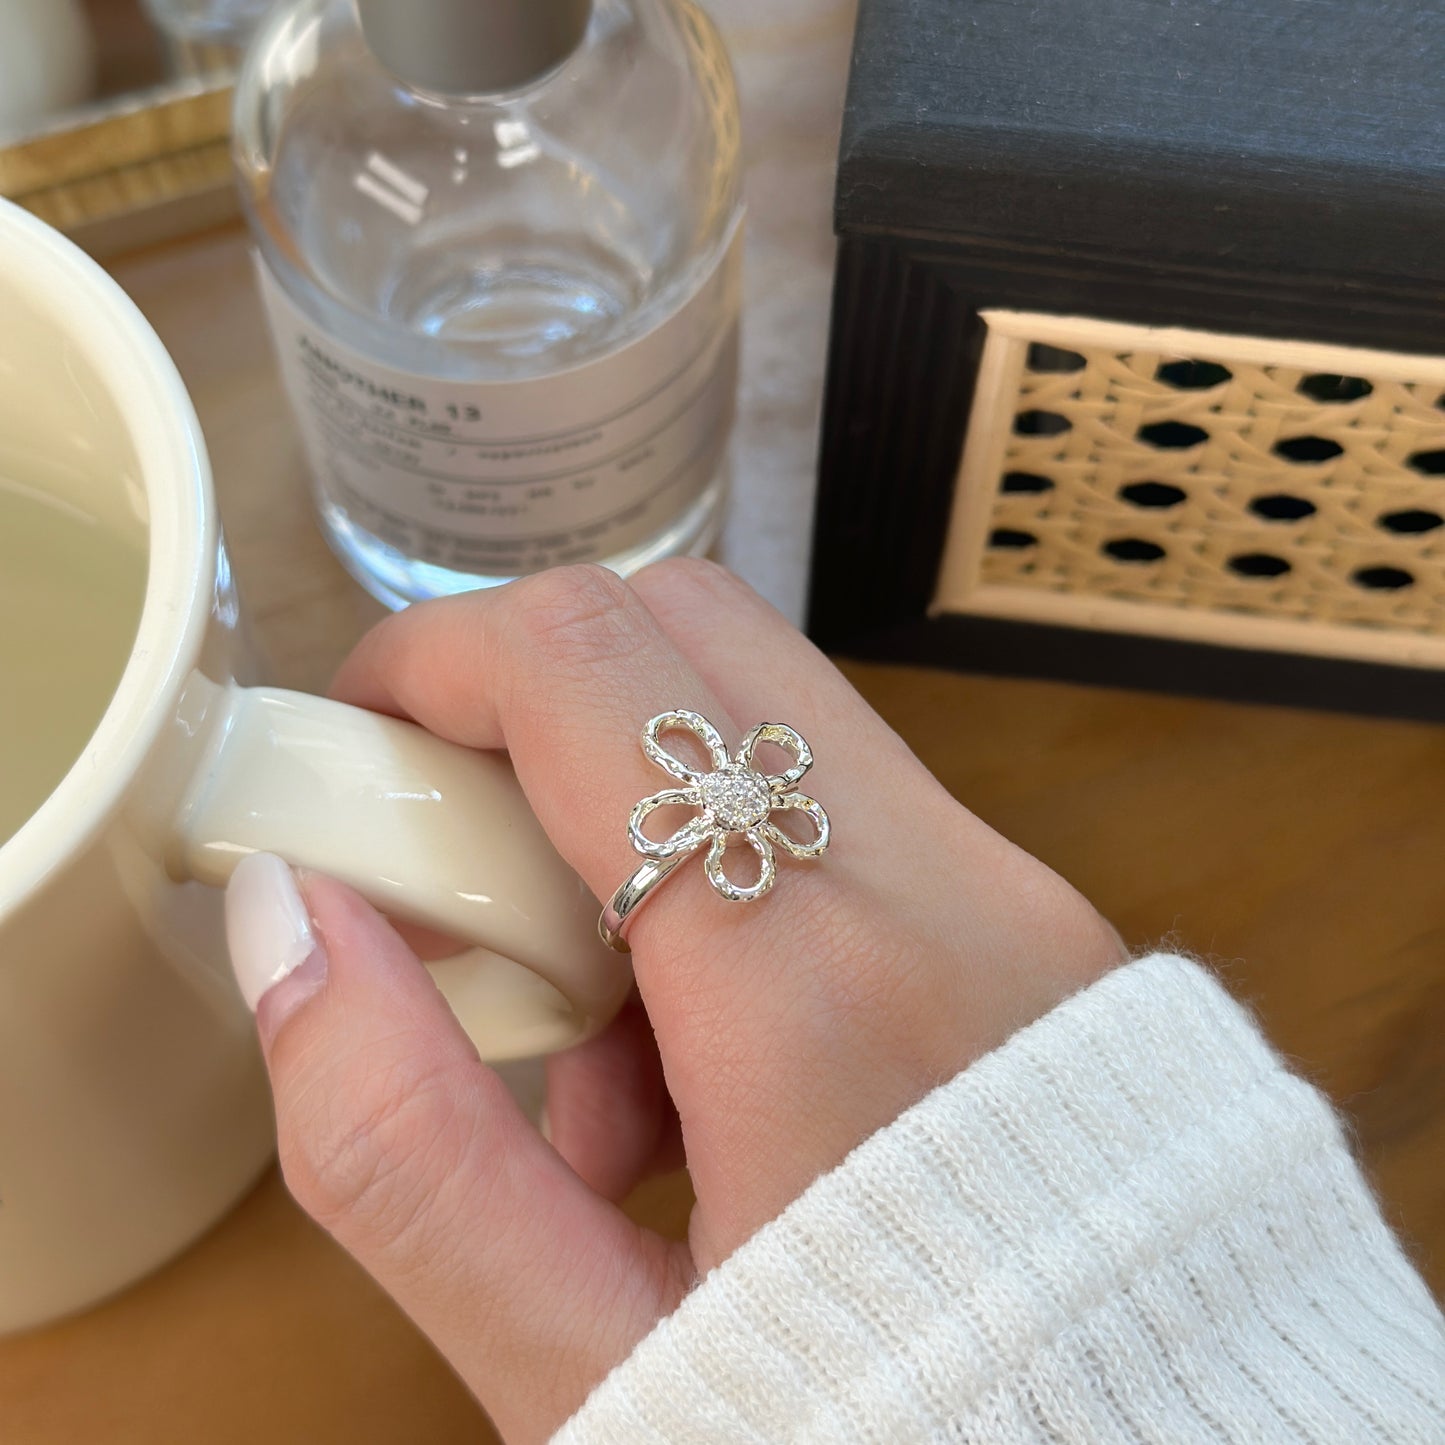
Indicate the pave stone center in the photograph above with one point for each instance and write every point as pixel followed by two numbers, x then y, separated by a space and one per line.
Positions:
pixel 736 797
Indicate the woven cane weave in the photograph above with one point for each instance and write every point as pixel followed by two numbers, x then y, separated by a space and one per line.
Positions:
pixel 1228 489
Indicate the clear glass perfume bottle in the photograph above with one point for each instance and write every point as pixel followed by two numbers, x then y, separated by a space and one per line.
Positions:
pixel 499 246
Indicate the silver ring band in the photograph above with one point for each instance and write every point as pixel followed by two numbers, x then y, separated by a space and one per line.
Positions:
pixel 616 917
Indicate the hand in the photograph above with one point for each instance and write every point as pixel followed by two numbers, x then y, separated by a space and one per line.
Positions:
pixel 786 1031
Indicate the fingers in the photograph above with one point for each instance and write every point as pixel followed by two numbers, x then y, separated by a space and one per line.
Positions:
pixel 414 1156
pixel 561 670
pixel 608 1112
pixel 793 1026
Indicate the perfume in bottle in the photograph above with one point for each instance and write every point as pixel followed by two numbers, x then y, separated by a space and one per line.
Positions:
pixel 498 243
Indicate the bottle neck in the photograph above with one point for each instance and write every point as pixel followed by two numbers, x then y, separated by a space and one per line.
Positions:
pixel 472 48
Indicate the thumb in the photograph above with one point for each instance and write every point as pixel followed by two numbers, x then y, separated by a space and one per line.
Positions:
pixel 412 1154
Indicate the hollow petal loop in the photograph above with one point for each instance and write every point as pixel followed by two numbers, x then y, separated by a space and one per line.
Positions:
pixel 784 737
pixel 736 892
pixel 799 802
pixel 694 723
pixel 692 834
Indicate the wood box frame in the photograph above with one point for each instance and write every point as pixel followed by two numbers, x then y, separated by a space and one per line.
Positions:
pixel 1247 167
pixel 907 339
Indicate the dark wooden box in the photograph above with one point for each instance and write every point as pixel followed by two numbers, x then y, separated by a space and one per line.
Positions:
pixel 1137 367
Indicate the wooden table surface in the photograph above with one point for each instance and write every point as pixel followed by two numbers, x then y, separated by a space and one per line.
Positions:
pixel 1301 853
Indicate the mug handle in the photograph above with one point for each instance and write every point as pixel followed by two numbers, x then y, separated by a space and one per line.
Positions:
pixel 427 831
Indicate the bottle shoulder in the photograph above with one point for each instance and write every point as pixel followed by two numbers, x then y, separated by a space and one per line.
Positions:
pixel 650 75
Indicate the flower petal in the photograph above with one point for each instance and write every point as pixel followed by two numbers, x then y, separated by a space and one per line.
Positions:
pixel 734 892
pixel 803 804
pixel 694 723
pixel 785 737
pixel 692 833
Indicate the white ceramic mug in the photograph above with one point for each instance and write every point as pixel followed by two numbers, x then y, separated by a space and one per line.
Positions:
pixel 133 1106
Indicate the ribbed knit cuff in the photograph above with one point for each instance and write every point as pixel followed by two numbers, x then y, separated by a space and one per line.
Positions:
pixel 1131 1223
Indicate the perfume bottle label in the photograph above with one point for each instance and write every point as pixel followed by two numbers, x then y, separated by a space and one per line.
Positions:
pixel 505 477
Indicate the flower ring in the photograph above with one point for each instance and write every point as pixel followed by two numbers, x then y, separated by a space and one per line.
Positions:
pixel 734 800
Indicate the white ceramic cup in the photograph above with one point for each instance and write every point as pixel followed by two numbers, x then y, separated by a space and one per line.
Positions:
pixel 133 1105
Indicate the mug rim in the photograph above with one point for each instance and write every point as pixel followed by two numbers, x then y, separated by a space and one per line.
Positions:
pixel 109 330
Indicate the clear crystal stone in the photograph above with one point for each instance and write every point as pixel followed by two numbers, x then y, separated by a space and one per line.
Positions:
pixel 736 798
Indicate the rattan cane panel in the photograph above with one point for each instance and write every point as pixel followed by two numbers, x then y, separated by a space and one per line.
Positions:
pixel 1316 533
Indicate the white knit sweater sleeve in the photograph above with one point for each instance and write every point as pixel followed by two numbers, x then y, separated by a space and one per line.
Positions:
pixel 1129 1224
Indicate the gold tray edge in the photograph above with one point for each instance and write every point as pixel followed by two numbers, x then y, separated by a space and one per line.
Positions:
pixel 150 168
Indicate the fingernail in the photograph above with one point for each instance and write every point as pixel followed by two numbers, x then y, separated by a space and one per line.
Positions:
pixel 268 929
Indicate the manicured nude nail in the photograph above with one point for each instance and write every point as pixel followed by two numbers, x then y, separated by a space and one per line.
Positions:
pixel 268 928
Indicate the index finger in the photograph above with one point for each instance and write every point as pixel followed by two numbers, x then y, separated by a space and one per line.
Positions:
pixel 561 670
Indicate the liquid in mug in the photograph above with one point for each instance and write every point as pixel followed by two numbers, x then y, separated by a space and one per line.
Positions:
pixel 71 591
